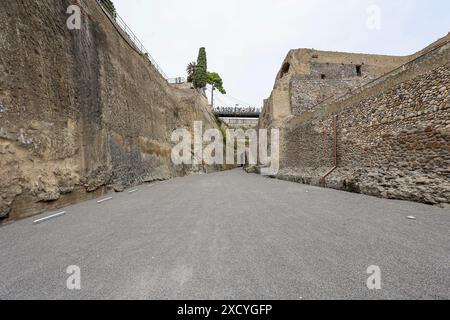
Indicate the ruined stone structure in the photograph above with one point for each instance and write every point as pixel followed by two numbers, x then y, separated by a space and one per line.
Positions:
pixel 308 77
pixel 81 111
pixel 378 125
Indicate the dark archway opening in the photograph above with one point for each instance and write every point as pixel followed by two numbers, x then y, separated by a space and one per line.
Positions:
pixel 359 70
pixel 285 69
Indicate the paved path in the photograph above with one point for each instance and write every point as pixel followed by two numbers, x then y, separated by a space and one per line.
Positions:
pixel 230 235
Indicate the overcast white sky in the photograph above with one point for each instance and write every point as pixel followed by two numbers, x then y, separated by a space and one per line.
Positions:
pixel 247 40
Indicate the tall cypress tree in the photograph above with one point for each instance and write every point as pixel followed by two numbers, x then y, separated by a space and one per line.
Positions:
pixel 201 71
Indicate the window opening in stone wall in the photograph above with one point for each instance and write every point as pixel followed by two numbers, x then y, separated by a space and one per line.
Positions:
pixel 359 70
pixel 285 69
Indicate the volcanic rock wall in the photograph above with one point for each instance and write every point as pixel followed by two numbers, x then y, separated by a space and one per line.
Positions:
pixel 81 111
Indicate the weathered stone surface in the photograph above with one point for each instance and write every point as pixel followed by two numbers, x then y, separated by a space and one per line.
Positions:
pixel 119 188
pixel 393 138
pixel 308 77
pixel 80 110
pixel 251 169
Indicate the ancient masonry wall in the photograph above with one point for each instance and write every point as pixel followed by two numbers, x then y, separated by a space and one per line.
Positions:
pixel 81 111
pixel 308 77
pixel 393 136
pixel 307 94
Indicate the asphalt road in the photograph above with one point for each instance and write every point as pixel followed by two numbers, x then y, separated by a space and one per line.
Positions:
pixel 230 235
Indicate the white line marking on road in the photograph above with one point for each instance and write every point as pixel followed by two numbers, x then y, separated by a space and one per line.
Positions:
pixel 49 217
pixel 133 191
pixel 104 200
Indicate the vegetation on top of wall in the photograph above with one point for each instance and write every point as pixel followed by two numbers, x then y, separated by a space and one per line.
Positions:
pixel 109 5
pixel 216 81
pixel 199 75
pixel 201 70
pixel 191 70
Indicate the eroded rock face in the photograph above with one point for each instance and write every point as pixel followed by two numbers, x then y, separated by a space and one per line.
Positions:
pixel 80 110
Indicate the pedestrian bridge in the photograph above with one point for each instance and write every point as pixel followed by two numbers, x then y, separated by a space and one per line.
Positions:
pixel 238 118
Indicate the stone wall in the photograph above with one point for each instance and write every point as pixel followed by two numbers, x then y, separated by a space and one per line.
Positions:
pixel 393 135
pixel 81 111
pixel 306 94
pixel 307 77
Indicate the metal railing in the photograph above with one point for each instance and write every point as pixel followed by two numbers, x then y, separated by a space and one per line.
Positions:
pixel 117 19
pixel 179 80
pixel 237 112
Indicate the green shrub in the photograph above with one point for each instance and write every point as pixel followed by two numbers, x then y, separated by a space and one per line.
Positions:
pixel 109 6
pixel 201 70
